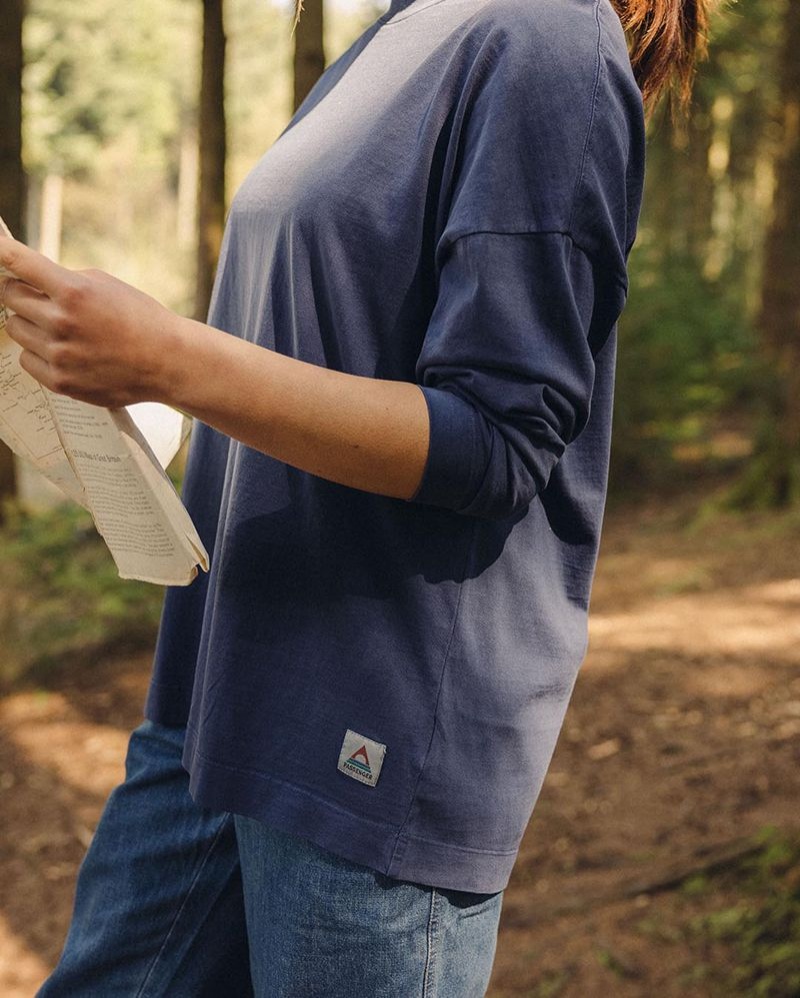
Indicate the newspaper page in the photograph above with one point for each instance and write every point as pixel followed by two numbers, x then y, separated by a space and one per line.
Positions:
pixel 103 459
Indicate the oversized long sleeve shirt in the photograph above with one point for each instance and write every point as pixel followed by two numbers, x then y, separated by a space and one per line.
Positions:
pixel 452 205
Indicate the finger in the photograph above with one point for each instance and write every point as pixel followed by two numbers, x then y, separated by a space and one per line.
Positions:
pixel 33 267
pixel 29 336
pixel 37 368
pixel 25 300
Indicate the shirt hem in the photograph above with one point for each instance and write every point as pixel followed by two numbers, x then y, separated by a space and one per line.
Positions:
pixel 296 810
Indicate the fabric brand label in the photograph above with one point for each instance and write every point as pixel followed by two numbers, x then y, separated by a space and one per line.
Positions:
pixel 361 758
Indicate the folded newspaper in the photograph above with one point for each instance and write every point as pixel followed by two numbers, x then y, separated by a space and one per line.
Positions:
pixel 112 462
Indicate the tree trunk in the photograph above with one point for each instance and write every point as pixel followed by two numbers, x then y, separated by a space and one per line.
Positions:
pixel 211 189
pixel 701 187
pixel 774 476
pixel 12 176
pixel 309 50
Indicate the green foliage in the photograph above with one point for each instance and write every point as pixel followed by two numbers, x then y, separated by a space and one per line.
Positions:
pixel 696 885
pixel 110 103
pixel 684 358
pixel 60 593
pixel 763 927
pixel 96 68
pixel 608 959
pixel 688 384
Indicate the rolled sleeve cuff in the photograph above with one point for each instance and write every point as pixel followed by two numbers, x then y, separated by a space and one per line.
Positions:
pixel 456 446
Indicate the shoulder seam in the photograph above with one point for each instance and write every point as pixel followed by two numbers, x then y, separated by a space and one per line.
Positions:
pixel 590 126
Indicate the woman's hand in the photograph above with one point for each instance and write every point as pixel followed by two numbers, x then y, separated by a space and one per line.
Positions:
pixel 84 333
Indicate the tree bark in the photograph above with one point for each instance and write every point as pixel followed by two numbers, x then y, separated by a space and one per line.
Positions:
pixel 12 175
pixel 309 50
pixel 212 153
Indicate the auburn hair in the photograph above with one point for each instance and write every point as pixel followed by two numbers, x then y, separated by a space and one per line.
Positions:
pixel 666 40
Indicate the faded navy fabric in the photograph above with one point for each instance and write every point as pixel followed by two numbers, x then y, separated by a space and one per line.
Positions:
pixel 453 205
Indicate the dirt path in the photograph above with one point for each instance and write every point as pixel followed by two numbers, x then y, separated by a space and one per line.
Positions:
pixel 682 737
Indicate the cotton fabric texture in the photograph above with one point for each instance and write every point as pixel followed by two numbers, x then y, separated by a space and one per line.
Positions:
pixel 453 205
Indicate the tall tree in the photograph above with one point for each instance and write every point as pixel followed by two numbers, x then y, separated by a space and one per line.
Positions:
pixel 309 49
pixel 773 477
pixel 12 175
pixel 211 191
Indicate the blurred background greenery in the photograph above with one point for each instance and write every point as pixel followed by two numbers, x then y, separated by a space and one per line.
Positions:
pixel 125 130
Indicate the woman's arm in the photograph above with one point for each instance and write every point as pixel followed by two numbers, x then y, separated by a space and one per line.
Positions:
pixel 92 337
pixel 364 432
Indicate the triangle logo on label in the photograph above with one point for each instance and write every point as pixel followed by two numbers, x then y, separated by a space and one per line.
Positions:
pixel 361 758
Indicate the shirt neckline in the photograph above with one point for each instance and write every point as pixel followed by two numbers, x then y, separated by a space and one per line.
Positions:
pixel 399 10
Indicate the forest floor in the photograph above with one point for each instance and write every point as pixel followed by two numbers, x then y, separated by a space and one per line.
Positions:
pixel 681 740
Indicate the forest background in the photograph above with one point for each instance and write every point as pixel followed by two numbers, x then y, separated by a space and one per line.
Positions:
pixel 125 131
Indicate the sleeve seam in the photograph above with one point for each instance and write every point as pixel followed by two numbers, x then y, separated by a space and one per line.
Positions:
pixel 622 281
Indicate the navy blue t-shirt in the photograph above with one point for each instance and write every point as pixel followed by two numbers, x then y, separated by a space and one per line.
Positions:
pixel 453 205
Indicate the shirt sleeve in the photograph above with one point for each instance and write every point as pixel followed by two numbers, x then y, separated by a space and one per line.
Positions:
pixel 506 368
pixel 530 262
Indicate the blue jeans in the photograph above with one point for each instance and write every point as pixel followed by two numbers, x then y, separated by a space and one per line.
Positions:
pixel 181 901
